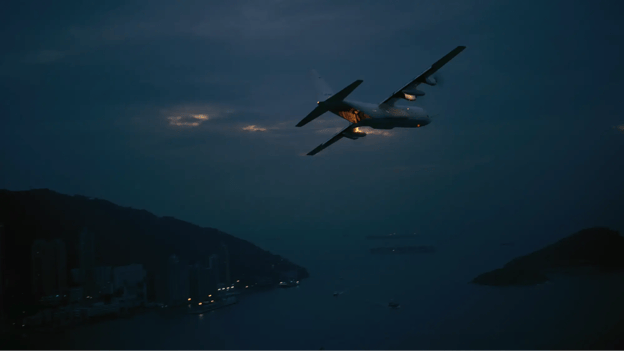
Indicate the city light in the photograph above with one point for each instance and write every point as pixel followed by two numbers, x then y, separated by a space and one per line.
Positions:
pixel 209 295
pixel 238 281
pixel 211 301
pixel 200 304
pixel 246 286
pixel 189 299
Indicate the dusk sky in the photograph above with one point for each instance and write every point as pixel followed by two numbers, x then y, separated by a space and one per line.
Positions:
pixel 188 109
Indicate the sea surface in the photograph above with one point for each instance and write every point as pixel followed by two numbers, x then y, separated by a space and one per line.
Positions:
pixel 440 309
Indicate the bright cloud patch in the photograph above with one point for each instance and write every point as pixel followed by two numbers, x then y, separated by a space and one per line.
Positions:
pixel 373 131
pixel 620 128
pixel 357 129
pixel 188 120
pixel 253 128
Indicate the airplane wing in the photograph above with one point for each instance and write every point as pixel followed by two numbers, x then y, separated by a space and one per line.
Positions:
pixel 334 139
pixel 422 78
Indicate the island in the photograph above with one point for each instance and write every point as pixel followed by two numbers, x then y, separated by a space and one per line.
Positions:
pixel 598 248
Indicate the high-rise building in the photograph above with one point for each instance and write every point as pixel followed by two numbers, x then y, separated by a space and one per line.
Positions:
pixel 226 262
pixel 213 266
pixel 130 280
pixel 104 279
pixel 2 293
pixel 62 281
pixel 75 277
pixel 178 281
pixel 204 286
pixel 194 278
pixel 48 268
pixel 172 280
pixel 87 262
pixel 200 282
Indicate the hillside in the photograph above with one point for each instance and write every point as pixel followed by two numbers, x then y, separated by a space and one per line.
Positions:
pixel 122 236
pixel 597 248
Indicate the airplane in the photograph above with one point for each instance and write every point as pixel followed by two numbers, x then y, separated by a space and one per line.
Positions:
pixel 384 115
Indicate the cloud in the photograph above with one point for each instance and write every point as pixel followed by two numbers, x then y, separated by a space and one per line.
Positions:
pixel 190 120
pixel 193 115
pixel 620 128
pixel 366 130
pixel 253 128
pixel 373 131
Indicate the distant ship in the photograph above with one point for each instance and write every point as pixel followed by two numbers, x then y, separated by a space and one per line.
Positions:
pixel 392 236
pixel 403 250
pixel 289 284
pixel 393 304
pixel 211 306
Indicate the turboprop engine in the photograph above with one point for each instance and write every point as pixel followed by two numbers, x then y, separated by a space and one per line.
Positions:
pixel 411 95
pixel 354 135
pixel 431 81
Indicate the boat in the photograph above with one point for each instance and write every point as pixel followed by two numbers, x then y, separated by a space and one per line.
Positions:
pixel 211 306
pixel 403 250
pixel 289 284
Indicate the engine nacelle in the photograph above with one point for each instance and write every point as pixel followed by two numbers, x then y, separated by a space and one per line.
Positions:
pixel 354 135
pixel 411 95
pixel 430 81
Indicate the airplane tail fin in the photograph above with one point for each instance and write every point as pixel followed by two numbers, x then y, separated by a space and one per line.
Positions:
pixel 323 105
pixel 323 90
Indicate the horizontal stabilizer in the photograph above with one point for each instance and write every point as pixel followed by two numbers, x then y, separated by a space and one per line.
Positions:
pixel 322 88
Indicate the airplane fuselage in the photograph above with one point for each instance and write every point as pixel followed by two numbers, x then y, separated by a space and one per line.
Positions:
pixel 380 116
